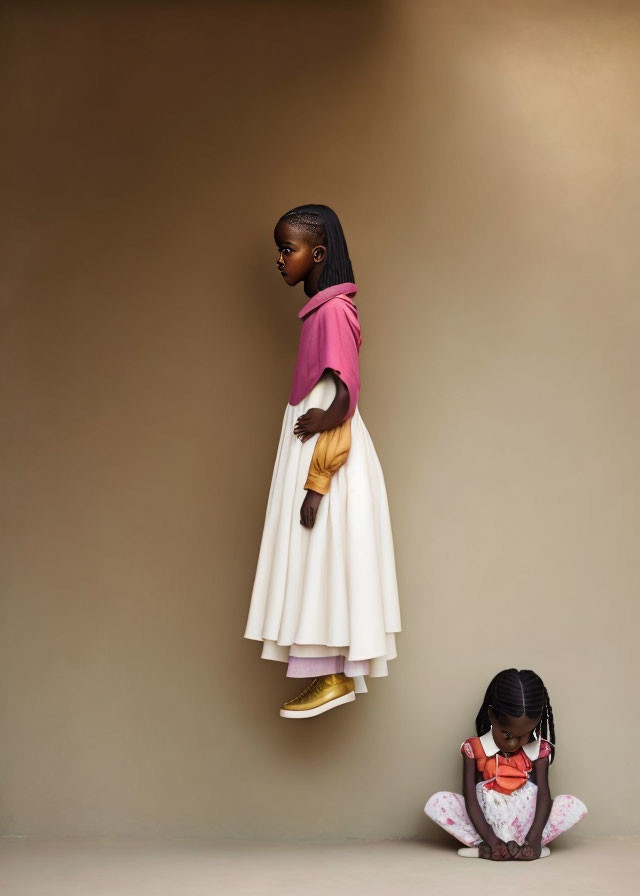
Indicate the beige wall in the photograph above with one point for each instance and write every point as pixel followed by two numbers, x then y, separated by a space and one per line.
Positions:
pixel 483 158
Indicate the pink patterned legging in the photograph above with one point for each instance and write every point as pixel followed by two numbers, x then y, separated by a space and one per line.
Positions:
pixel 512 823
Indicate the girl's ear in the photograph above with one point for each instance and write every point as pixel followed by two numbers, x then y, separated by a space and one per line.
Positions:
pixel 319 253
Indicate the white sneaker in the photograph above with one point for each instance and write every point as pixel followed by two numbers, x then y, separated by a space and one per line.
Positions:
pixel 472 852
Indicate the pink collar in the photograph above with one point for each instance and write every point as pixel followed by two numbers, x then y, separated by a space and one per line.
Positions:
pixel 340 289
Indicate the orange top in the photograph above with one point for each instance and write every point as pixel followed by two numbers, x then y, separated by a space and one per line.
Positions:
pixel 504 773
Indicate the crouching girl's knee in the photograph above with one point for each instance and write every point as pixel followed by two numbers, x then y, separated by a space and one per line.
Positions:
pixel 433 807
pixel 570 803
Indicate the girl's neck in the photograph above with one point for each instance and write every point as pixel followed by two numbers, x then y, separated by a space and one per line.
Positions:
pixel 311 283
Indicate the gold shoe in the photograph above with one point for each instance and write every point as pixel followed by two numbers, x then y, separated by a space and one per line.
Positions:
pixel 324 693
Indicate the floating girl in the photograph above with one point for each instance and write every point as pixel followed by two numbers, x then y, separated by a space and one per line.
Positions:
pixel 325 597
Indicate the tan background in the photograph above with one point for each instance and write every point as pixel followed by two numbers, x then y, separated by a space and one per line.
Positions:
pixel 483 157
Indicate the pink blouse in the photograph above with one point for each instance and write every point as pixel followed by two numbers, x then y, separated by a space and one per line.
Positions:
pixel 330 337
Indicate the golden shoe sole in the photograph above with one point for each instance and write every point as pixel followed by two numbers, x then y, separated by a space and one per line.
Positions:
pixel 317 710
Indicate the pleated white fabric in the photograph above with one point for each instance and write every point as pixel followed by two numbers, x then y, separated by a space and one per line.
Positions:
pixel 330 590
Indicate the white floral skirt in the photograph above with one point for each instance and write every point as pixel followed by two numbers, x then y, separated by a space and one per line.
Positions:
pixel 509 814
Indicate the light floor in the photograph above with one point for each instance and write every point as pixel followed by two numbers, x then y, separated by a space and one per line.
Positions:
pixel 35 867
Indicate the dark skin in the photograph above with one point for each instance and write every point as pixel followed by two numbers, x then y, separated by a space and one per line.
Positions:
pixel 510 734
pixel 301 258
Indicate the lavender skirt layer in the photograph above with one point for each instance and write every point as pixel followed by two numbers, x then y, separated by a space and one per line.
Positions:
pixel 310 667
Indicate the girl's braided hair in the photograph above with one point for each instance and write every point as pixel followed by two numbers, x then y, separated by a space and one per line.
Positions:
pixel 323 223
pixel 518 693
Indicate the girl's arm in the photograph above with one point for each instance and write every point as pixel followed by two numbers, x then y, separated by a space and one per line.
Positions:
pixel 491 847
pixel 330 453
pixel 331 449
pixel 533 843
pixel 316 420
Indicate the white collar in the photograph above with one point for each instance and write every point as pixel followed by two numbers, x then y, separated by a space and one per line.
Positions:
pixel 490 747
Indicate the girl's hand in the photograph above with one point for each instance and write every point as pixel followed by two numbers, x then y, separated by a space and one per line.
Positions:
pixel 309 509
pixel 514 848
pixel 309 424
pixel 529 851
pixel 497 851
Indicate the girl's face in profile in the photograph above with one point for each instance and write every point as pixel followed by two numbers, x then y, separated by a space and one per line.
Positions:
pixel 298 253
pixel 511 733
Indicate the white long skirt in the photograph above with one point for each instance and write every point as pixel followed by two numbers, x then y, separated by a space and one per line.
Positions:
pixel 330 590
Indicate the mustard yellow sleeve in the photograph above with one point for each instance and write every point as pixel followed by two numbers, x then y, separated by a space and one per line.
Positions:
pixel 331 451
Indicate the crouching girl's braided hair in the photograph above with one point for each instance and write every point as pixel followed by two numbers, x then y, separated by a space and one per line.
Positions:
pixel 519 693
